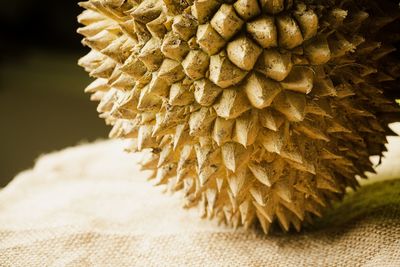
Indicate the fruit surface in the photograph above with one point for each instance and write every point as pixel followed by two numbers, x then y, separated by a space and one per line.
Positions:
pixel 259 111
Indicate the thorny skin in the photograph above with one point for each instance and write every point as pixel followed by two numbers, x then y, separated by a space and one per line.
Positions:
pixel 260 111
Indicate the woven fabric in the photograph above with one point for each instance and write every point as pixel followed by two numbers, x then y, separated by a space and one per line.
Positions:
pixel 91 206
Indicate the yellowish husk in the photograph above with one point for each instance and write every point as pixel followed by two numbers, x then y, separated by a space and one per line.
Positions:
pixel 260 111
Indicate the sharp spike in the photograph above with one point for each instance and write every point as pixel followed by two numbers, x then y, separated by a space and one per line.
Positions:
pixel 222 131
pixel 234 155
pixel 261 91
pixel 232 104
pixel 246 128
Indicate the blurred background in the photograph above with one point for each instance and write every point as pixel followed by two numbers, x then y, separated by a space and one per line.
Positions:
pixel 42 104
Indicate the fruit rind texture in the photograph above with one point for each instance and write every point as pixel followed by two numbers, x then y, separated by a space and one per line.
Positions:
pixel 260 112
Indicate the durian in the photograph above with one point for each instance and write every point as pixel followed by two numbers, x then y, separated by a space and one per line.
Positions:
pixel 260 111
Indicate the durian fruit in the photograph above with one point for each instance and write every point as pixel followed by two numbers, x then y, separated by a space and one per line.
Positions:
pixel 260 111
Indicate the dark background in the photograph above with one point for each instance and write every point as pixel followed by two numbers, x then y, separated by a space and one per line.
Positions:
pixel 42 104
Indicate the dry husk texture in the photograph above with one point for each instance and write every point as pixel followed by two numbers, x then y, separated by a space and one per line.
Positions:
pixel 91 205
pixel 260 111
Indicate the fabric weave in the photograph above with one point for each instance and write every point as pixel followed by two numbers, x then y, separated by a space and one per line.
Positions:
pixel 91 206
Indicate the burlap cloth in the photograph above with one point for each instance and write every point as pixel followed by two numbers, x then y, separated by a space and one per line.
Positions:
pixel 90 206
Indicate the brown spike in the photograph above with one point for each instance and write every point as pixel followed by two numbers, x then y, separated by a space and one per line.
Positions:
pixel 116 50
pixel 148 101
pixel 164 173
pixel 272 141
pixel 273 6
pixel 222 130
pixel 209 40
pixel 180 95
pixel 307 20
pixel 184 26
pixel 226 22
pixel 181 135
pixel 328 185
pixel 200 122
pixel 100 40
pixel 231 104
pixel 205 92
pixel 196 64
pixel 94 28
pixel 300 80
pixel 147 11
pixel 267 211
pixel 243 53
pixel 247 9
pixel 223 72
pixel 142 34
pixel 261 91
pixel 156 27
pixel 324 87
pixel 246 210
pixel 246 128
pixel 317 51
pixel 282 217
pixel 309 130
pixel 236 181
pixel 151 55
pixel 145 139
pixel 203 10
pixel 88 16
pixel 335 127
pixel 105 69
pixel 234 155
pixel 124 82
pixel 274 64
pixel 262 172
pixel 97 85
pixel 289 32
pixel 158 86
pixel 171 71
pixel 186 158
pixel 174 48
pixel 133 67
pixel 270 119
pixel 292 105
pixel 265 225
pixel 166 156
pixel 263 31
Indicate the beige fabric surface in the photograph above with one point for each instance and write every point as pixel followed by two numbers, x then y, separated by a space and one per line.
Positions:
pixel 91 206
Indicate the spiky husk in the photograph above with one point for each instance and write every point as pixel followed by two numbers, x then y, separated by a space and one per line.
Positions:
pixel 259 110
